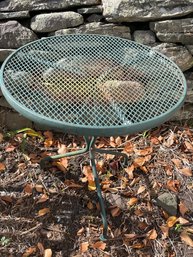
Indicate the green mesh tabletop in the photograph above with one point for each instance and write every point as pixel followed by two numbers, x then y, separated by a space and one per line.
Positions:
pixel 92 85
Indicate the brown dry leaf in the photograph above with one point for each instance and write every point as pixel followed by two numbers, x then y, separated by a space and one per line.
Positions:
pixel 112 142
pixel 173 185
pixel 1 137
pixel 115 212
pixel 48 253
pixel 28 189
pixel 140 161
pixel 41 248
pixel 182 208
pixel 84 247
pixel 62 164
pixel 39 188
pixel 169 170
pixel 43 211
pixel 80 231
pixel 29 251
pixel 43 198
pixel 165 231
pixel 155 141
pixel 6 198
pixel 9 148
pixel 141 190
pixel 91 185
pixel 171 221
pixel 152 234
pixel 138 246
pixel 169 142
pixel 129 148
pixel 130 236
pixel 144 152
pixel 87 171
pixel 183 221
pixel 118 141
pixel 189 146
pixel 132 201
pixel 142 225
pixel 71 184
pixel 2 166
pixel 100 165
pixel 186 238
pixel 139 212
pixel 62 149
pixel 48 142
pixel 99 245
pixel 48 134
pixel 90 205
pixel 186 171
pixel 130 170
pixel 177 162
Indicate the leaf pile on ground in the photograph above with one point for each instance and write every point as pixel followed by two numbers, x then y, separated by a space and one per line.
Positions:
pixel 55 211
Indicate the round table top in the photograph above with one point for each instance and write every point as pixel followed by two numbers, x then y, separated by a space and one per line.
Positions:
pixel 92 84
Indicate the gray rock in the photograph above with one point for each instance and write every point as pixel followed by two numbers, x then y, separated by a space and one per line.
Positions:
pixel 4 53
pixel 14 35
pixel 174 31
pixel 145 10
pixel 98 28
pixel 90 10
pixel 94 18
pixel 18 5
pixel 189 79
pixel 14 15
pixel 144 37
pixel 179 54
pixel 168 202
pixel 49 22
pixel 190 48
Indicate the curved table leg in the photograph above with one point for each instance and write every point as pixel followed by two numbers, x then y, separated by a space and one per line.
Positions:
pixel 96 178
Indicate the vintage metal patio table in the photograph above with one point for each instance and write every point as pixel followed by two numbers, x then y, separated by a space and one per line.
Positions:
pixel 92 85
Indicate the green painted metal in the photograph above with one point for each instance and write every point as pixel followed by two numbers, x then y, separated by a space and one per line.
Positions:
pixel 92 85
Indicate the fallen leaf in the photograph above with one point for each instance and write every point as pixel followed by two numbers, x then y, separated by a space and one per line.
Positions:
pixel 169 142
pixel 62 149
pixel 43 199
pixel 132 201
pixel 1 137
pixel 71 184
pixel 41 248
pixel 28 189
pixel 152 234
pixel 29 251
pixel 140 161
pixel 139 212
pixel 182 208
pixel 48 142
pixel 100 165
pixel 165 231
pixel 115 212
pixel 186 238
pixel 39 188
pixel 118 141
pixel 91 185
pixel 48 253
pixel 130 170
pixel 186 171
pixel 138 246
pixel 80 231
pixel 141 190
pixel 142 225
pixel 112 142
pixel 9 148
pixel 48 134
pixel 43 211
pixel 84 247
pixel 62 164
pixel 155 141
pixel 144 152
pixel 129 148
pixel 171 221
pixel 189 146
pixel 2 166
pixel 99 245
pixel 177 162
pixel 6 198
pixel 90 205
pixel 183 221
pixel 173 185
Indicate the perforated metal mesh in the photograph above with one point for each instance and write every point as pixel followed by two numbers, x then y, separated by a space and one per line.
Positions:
pixel 93 80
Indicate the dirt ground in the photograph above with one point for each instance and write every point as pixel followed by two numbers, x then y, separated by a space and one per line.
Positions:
pixel 55 211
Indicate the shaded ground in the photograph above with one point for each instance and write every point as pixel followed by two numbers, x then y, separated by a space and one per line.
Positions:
pixel 54 208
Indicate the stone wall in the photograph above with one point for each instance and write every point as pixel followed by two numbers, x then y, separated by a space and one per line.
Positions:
pixel 167 26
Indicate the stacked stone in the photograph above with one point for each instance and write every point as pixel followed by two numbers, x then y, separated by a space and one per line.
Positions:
pixel 167 26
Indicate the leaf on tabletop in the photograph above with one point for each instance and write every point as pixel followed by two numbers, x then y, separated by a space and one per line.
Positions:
pixel 189 146
pixel 141 190
pixel 9 148
pixel 177 162
pixel 28 189
pixel 182 208
pixel 186 171
pixel 152 234
pixel 115 212
pixel 132 201
pixel 144 152
pixel 186 238
pixel 99 245
pixel 48 253
pixel 2 166
pixel 29 251
pixel 165 231
pixel 171 221
pixel 173 185
pixel 43 199
pixel 43 211
pixel 84 247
